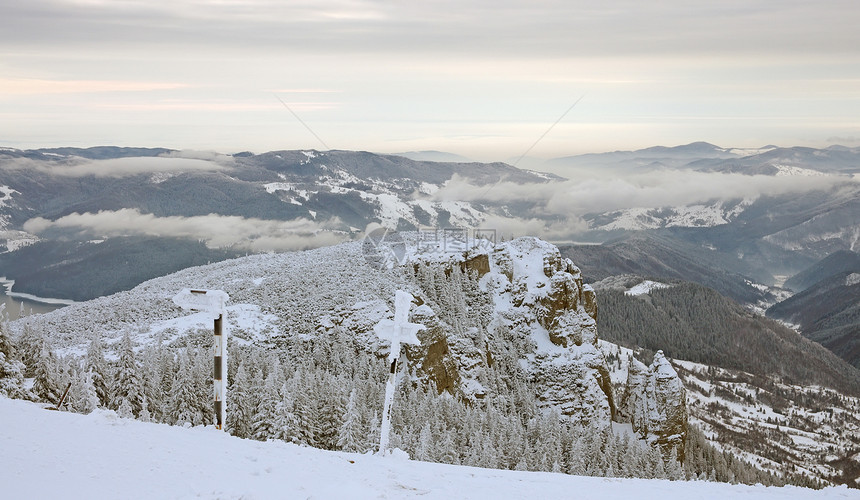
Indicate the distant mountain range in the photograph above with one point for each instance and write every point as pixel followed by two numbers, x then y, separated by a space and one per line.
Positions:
pixel 706 157
pixel 83 222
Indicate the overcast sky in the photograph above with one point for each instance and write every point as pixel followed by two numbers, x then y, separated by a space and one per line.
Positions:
pixel 482 79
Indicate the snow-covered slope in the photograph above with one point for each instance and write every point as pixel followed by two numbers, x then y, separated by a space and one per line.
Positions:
pixel 51 454
pixel 775 426
pixel 701 215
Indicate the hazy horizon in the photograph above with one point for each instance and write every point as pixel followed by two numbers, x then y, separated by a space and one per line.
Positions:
pixel 484 80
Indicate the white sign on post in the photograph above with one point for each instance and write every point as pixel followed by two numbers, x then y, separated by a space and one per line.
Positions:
pixel 213 303
pixel 210 301
pixel 398 331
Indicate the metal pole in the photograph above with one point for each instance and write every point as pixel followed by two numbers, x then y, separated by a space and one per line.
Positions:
pixel 220 374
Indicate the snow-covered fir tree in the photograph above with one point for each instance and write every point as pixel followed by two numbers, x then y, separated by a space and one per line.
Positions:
pixel 96 365
pixel 350 436
pixel 127 388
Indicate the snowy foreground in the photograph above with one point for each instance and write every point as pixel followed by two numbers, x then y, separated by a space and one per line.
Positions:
pixel 48 454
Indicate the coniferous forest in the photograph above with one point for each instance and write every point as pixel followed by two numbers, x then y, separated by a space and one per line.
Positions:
pixel 326 392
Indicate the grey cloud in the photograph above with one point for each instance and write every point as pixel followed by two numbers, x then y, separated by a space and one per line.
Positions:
pixel 555 230
pixel 213 156
pixel 575 198
pixel 216 230
pixel 122 167
pixel 548 29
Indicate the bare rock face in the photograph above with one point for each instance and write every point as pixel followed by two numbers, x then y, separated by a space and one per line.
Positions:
pixel 433 356
pixel 541 297
pixel 656 403
pixel 536 305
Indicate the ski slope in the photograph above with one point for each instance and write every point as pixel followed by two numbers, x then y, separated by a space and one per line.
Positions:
pixel 48 454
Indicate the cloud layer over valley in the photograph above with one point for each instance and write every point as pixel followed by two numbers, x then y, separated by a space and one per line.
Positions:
pixel 257 235
pixel 596 194
pixel 124 167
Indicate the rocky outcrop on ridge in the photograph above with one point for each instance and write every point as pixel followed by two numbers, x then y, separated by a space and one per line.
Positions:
pixel 655 403
pixel 536 305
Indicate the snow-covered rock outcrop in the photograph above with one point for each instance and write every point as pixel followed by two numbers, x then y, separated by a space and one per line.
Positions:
pixel 656 403
pixel 541 298
pixel 499 318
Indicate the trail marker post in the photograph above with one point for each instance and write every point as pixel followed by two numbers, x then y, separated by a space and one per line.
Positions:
pixel 398 331
pixel 212 302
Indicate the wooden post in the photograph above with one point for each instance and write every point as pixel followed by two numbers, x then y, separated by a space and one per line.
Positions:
pixel 63 398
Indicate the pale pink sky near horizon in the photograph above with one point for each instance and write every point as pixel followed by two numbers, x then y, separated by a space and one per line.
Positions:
pixel 482 79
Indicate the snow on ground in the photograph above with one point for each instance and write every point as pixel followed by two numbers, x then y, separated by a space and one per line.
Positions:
pixel 790 170
pixel 246 322
pixel 6 195
pixel 52 454
pixel 750 151
pixel 618 368
pixel 14 239
pixel 719 398
pixel 646 287
pixel 700 215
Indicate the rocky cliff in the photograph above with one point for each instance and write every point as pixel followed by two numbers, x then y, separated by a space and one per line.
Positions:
pixel 655 403
pixel 541 298
pixel 532 303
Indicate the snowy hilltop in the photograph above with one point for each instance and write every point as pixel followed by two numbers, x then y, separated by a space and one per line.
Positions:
pixel 520 294
pixel 507 373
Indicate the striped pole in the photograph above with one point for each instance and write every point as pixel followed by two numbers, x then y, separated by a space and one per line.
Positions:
pixel 220 377
pixel 212 302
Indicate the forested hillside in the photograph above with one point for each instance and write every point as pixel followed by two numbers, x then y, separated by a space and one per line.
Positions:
pixel 691 322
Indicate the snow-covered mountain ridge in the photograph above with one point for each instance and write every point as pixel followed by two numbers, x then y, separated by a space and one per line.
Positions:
pixel 774 425
pixel 522 296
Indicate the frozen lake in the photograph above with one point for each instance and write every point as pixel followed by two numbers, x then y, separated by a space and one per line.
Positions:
pixel 26 305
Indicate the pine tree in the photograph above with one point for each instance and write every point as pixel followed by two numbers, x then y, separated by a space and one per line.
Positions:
pixel 126 386
pixel 11 370
pixel 183 405
pixel 144 416
pixel 242 403
pixel 306 411
pixel 125 410
pixel 95 364
pixel 30 346
pixel 12 378
pixel 373 434
pixel 264 425
pixel 349 436
pixel 6 348
pixel 150 368
pixel 674 470
pixel 446 452
pixel 46 384
pixel 202 385
pixel 82 396
pixel 287 423
pixel 425 444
